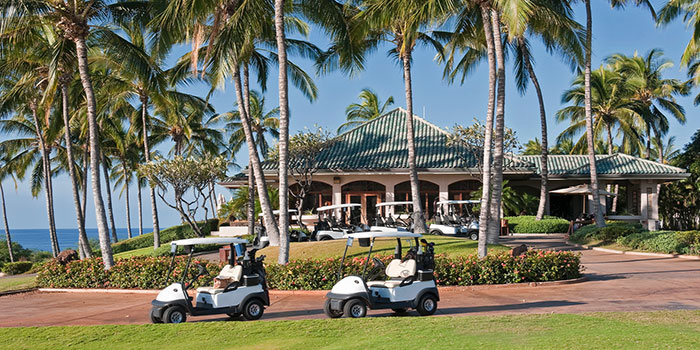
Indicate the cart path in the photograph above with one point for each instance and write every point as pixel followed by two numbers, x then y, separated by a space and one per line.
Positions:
pixel 617 283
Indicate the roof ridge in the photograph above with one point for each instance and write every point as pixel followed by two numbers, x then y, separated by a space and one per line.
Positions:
pixel 363 124
pixel 655 163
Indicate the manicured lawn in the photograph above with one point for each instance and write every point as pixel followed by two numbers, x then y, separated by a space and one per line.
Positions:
pixel 638 330
pixel 327 249
pixel 135 252
pixel 17 282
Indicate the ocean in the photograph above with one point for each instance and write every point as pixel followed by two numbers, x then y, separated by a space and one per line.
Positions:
pixel 38 239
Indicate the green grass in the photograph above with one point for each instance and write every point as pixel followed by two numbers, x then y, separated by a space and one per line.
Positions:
pixel 635 330
pixel 135 252
pixel 18 282
pixel 328 249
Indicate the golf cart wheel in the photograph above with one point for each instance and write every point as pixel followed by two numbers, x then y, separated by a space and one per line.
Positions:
pixel 234 314
pixel 330 312
pixel 474 235
pixel 355 308
pixel 427 305
pixel 325 238
pixel 436 232
pixel 174 314
pixel 154 318
pixel 399 310
pixel 253 310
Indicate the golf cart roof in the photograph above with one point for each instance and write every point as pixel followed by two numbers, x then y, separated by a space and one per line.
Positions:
pixel 338 206
pixel 387 204
pixel 379 234
pixel 464 201
pixel 209 240
pixel 277 212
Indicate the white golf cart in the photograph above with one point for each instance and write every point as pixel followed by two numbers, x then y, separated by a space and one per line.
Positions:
pixel 245 292
pixel 331 227
pixel 296 227
pixel 411 284
pixel 385 222
pixel 448 222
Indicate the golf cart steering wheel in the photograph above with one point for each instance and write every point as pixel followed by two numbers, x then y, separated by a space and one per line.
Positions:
pixel 202 271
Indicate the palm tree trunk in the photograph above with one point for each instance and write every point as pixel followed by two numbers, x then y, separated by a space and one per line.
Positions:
pixel 126 193
pixel 83 244
pixel 283 256
pixel 251 175
pixel 84 188
pixel 600 222
pixel 110 208
pixel 101 217
pixel 45 163
pixel 542 208
pixel 147 154
pixel 268 219
pixel 484 214
pixel 8 237
pixel 418 217
pixel 610 152
pixel 496 200
pixel 140 205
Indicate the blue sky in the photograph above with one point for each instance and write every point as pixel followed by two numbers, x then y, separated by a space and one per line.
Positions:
pixel 444 104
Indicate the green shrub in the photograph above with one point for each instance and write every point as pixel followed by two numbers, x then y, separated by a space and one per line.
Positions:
pixel 135 272
pixel 612 233
pixel 166 236
pixel 150 272
pixel 528 224
pixel 660 242
pixel 609 233
pixel 18 252
pixel 16 268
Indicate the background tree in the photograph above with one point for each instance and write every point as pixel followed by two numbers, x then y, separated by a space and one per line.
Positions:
pixel 185 176
pixel 370 107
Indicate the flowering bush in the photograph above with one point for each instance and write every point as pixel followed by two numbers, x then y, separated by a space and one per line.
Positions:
pixel 308 274
pixel 534 266
pixel 128 273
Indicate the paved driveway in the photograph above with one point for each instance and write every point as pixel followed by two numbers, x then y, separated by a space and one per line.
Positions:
pixel 617 283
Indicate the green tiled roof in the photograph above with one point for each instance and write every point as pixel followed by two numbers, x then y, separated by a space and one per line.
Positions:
pixel 381 144
pixel 615 164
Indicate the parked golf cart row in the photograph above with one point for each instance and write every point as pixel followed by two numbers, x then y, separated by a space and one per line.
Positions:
pixel 452 217
pixel 240 289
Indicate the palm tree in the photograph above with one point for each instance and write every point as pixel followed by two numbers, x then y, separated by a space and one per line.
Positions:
pixel 653 93
pixel 612 107
pixel 665 153
pixel 370 107
pixel 400 23
pixel 77 20
pixel 559 32
pixel 5 172
pixel 600 222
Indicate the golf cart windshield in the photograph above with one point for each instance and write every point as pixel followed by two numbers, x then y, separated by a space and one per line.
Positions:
pixel 189 244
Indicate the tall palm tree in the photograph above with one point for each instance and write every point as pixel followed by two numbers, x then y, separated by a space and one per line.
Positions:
pixel 653 93
pixel 5 172
pixel 370 107
pixel 554 24
pixel 612 107
pixel 665 153
pixel 401 23
pixel 600 222
pixel 77 20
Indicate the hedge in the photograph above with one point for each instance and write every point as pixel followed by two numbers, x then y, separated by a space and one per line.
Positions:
pixel 166 236
pixel 528 224
pixel 16 268
pixel 150 272
pixel 634 236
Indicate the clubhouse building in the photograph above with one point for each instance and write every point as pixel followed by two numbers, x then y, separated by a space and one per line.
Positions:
pixel 369 165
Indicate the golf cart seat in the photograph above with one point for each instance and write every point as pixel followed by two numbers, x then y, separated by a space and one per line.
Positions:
pixel 232 273
pixel 397 271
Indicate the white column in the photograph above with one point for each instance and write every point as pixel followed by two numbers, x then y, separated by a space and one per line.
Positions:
pixel 444 191
pixel 337 194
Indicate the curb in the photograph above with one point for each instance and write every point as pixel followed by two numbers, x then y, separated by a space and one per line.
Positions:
pixel 624 252
pixel 18 291
pixel 323 292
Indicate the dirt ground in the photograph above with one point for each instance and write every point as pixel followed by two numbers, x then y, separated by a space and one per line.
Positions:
pixel 616 283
